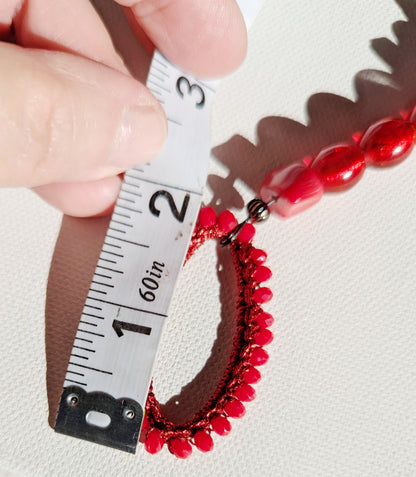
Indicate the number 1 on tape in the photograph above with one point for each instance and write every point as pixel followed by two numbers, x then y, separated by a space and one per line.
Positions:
pixel 111 362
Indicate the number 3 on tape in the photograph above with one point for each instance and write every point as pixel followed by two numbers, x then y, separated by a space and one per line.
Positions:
pixel 111 362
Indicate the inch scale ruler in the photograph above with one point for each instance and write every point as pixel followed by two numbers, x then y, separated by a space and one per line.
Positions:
pixel 114 350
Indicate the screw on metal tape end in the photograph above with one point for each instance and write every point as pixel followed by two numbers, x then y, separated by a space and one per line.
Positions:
pixel 257 210
pixel 100 418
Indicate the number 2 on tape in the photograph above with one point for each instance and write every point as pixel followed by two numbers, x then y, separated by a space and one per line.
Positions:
pixel 178 214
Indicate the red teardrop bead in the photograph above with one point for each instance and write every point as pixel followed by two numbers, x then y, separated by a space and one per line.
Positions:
pixel 246 233
pixel 226 221
pixel 207 217
pixel 245 393
pixel 264 320
pixel 339 167
pixel 154 441
pixel 235 408
pixel 180 447
pixel 262 295
pixel 251 375
pixel 262 274
pixel 263 337
pixel 388 141
pixel 221 425
pixel 258 256
pixel 258 357
pixel 203 441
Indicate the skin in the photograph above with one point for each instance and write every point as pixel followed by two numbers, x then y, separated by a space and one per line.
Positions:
pixel 73 118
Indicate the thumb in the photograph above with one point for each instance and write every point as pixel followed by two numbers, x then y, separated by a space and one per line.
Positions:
pixel 68 119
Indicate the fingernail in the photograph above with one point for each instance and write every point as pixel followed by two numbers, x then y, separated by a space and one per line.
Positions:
pixel 140 135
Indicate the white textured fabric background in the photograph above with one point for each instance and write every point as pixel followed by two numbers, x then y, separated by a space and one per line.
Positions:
pixel 338 396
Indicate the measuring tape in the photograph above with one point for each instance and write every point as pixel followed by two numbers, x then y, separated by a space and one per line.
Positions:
pixel 111 362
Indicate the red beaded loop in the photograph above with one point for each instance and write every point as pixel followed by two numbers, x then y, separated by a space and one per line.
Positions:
pixel 241 373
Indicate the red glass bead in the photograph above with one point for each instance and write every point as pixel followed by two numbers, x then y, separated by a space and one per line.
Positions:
pixel 339 167
pixel 264 320
pixel 221 425
pixel 246 233
pixel 258 256
pixel 207 217
pixel 154 441
pixel 259 356
pixel 203 441
pixel 297 187
pixel 262 295
pixel 226 221
pixel 388 141
pixel 262 274
pixel 263 337
pixel 245 393
pixel 251 375
pixel 235 408
pixel 180 447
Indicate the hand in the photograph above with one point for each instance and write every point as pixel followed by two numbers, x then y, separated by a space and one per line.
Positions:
pixel 72 117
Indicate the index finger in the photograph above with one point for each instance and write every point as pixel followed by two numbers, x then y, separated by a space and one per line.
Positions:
pixel 205 37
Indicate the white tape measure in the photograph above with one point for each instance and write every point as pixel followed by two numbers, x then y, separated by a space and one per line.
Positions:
pixel 111 362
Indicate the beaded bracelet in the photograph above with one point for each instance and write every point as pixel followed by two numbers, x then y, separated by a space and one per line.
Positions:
pixel 286 192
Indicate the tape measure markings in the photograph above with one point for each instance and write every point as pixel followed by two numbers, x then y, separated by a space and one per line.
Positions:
pixel 142 255
pixel 171 186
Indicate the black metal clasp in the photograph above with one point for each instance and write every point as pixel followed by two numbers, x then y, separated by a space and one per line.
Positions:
pixel 257 210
